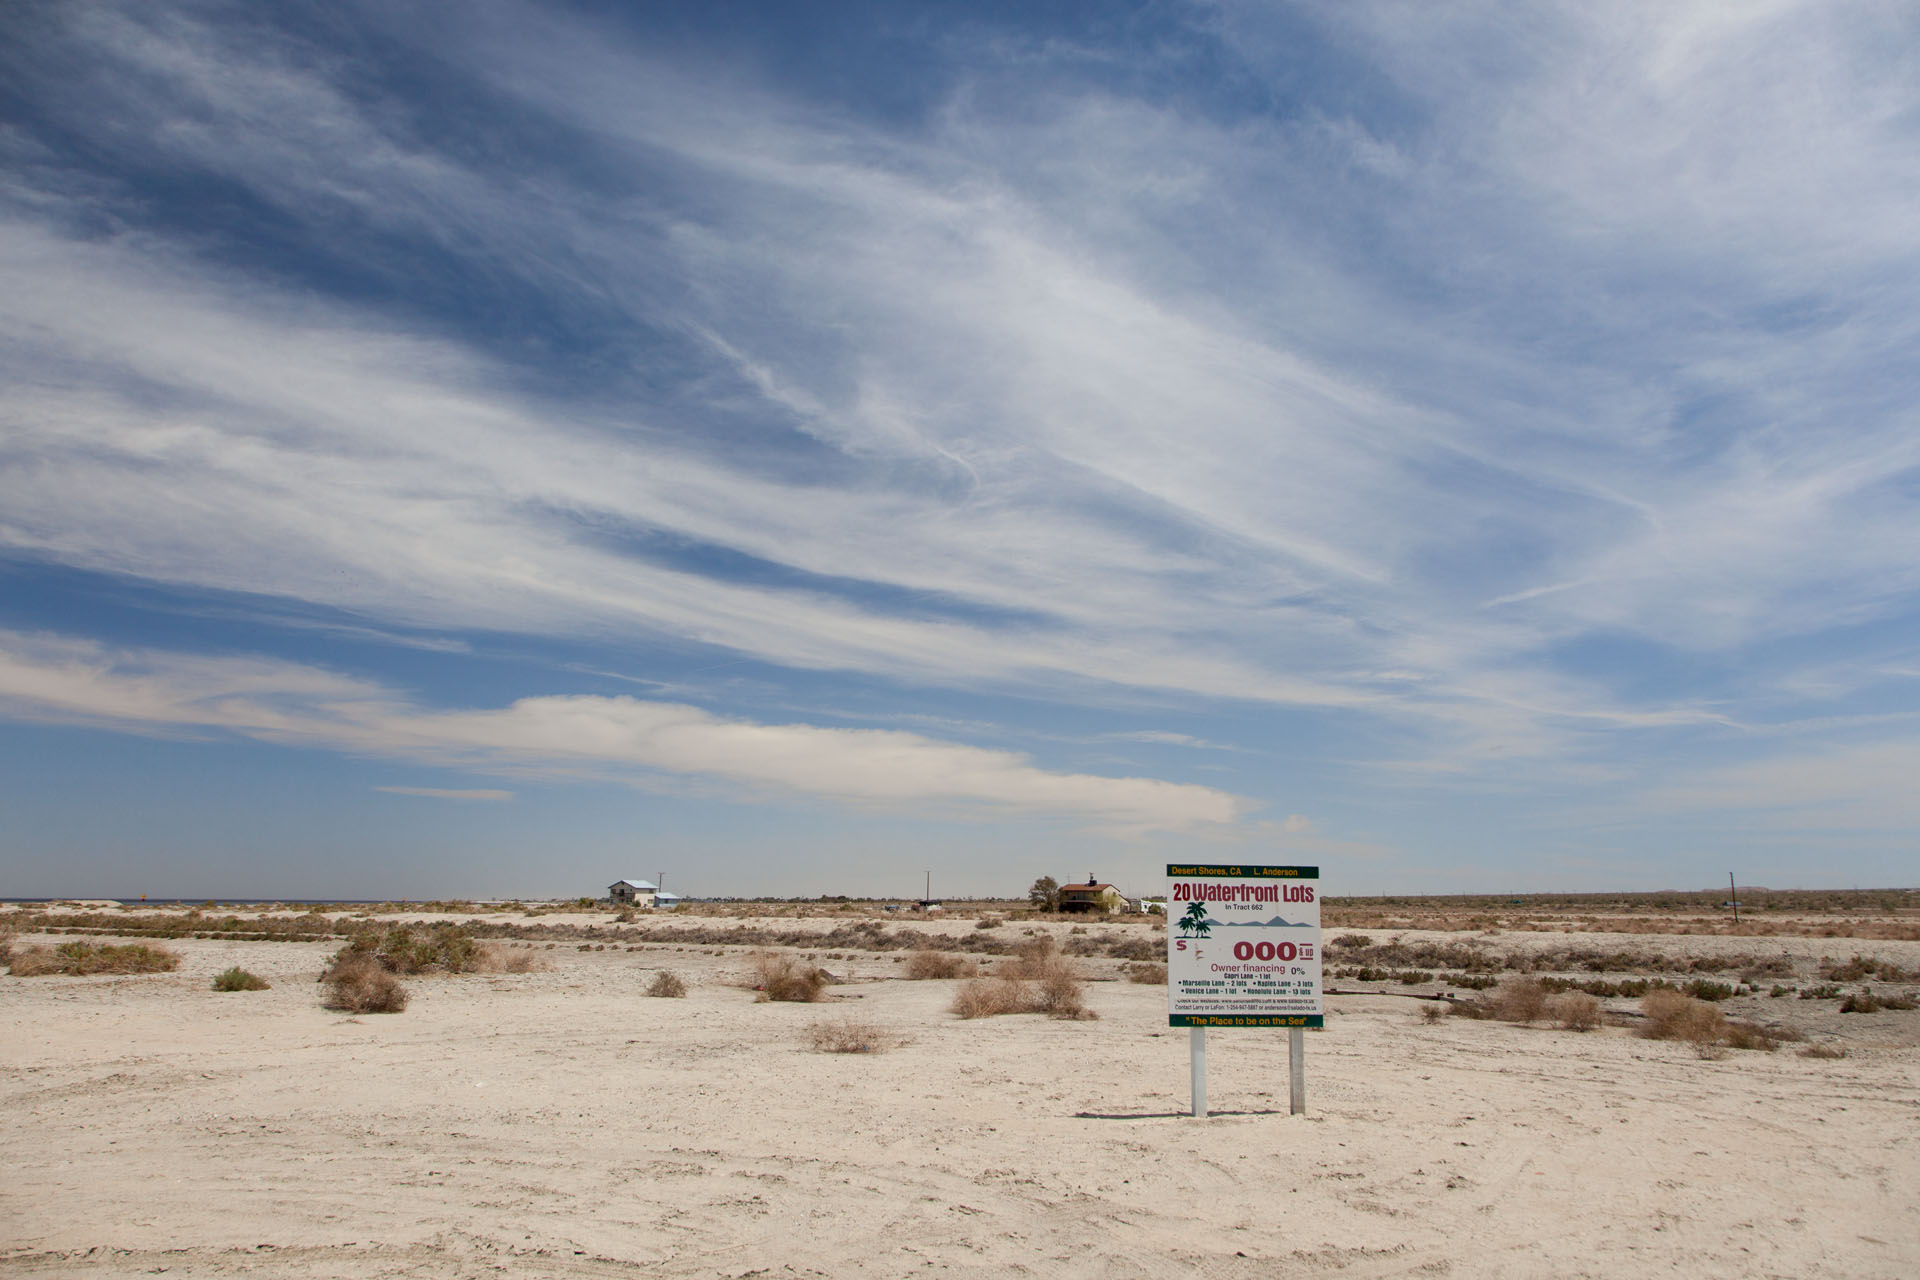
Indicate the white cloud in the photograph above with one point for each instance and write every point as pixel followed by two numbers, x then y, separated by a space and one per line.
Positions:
pixel 1864 786
pixel 1106 402
pixel 55 679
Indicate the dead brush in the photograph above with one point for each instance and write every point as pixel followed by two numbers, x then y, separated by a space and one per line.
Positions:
pixel 1519 1000
pixel 924 966
pixel 86 959
pixel 1674 1015
pixel 1751 1035
pixel 1062 995
pixel 1574 1011
pixel 1033 958
pixel 784 978
pixel 989 998
pixel 667 985
pixel 1147 974
pixel 846 1035
pixel 491 957
pixel 1059 992
pixel 357 982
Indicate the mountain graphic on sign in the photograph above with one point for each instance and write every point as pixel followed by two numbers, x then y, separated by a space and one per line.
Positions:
pixel 1275 923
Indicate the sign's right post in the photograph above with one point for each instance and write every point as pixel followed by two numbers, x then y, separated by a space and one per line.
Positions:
pixel 1297 1070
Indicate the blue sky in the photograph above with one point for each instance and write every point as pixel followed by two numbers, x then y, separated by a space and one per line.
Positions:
pixel 492 449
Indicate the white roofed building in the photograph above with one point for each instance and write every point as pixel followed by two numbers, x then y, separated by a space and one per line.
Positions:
pixel 634 893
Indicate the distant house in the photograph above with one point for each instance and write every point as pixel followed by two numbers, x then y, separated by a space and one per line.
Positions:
pixel 634 893
pixel 1093 897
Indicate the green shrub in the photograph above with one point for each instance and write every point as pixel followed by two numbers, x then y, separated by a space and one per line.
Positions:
pixel 1866 1001
pixel 1472 981
pixel 238 979
pixel 407 948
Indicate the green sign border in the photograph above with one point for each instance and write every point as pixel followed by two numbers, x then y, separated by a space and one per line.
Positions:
pixel 1246 1019
pixel 1209 871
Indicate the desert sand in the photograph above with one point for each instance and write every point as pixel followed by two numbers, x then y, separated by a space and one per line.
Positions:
pixel 559 1123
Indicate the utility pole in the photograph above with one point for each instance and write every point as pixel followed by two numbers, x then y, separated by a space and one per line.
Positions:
pixel 1733 897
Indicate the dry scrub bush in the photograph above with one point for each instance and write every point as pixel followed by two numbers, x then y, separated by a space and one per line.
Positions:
pixel 1823 1051
pixel 238 979
pixel 924 965
pixel 1522 1000
pixel 667 985
pixel 1060 994
pixel 1034 959
pixel 1747 1035
pixel 358 983
pixel 989 997
pixel 1147 974
pixel 1673 1015
pixel 491 957
pixel 848 1036
pixel 1575 1011
pixel 84 959
pixel 779 977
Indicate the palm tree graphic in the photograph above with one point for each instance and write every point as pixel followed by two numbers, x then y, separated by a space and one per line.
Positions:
pixel 1195 924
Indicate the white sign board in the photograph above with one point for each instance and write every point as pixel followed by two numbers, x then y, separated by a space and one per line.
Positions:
pixel 1243 946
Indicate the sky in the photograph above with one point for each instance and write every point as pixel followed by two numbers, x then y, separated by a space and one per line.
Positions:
pixel 483 449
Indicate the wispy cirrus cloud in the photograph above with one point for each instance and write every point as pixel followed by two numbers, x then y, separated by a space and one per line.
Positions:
pixel 61 680
pixel 1500 403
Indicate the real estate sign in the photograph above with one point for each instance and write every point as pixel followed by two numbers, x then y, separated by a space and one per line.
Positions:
pixel 1243 946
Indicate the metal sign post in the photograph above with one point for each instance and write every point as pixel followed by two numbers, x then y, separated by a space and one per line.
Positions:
pixel 1199 1046
pixel 1243 950
pixel 1296 1070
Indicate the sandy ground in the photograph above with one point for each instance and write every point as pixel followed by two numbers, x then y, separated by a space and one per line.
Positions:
pixel 559 1124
